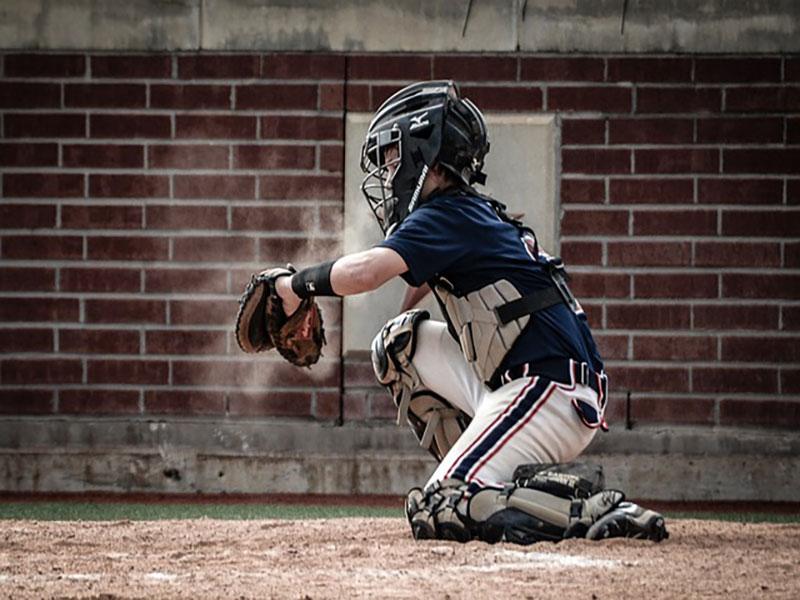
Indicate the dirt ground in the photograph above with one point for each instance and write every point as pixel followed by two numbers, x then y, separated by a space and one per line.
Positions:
pixel 376 558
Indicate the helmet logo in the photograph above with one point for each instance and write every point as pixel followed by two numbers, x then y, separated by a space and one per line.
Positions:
pixel 418 189
pixel 419 121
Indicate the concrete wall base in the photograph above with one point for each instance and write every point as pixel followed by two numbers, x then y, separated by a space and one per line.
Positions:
pixel 679 463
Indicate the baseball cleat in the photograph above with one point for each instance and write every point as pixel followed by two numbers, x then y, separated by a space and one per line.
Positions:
pixel 632 521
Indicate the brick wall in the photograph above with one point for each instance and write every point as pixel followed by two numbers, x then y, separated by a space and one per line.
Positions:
pixel 139 192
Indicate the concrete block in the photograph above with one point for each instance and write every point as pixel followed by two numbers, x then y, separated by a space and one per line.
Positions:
pixel 91 25
pixel 669 26
pixel 359 25
pixel 521 172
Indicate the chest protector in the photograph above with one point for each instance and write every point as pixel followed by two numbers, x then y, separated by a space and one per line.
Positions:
pixel 489 320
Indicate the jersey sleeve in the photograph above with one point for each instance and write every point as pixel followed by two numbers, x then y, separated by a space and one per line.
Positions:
pixel 430 240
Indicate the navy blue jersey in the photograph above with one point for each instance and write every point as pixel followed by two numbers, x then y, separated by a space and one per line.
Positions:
pixel 460 238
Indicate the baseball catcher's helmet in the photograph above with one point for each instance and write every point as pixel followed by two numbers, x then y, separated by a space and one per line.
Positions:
pixel 426 123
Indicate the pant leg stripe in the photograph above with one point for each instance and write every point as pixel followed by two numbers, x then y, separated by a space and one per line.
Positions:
pixel 477 440
pixel 495 433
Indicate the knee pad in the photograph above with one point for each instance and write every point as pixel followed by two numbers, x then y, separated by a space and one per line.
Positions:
pixel 434 421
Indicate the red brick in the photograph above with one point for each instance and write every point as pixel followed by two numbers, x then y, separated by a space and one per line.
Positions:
pixel 651 131
pixel 128 186
pixel 14 94
pixel 31 247
pixel 42 185
pixel 190 97
pixel 289 187
pixel 26 402
pixel 793 131
pixel 762 161
pixel 561 69
pixel 583 131
pixel 756 349
pixel 793 191
pixel 594 312
pixel 768 286
pixel 597 162
pixel 583 191
pixel 128 248
pixel 201 312
pixel 504 98
pixel 126 311
pixel 254 373
pixel 151 66
pixel 790 318
pixel 39 309
pixel 594 222
pixel 649 254
pixel 735 317
pixel 678 100
pixel 582 253
pixel 298 250
pixel 98 402
pixel 301 128
pixel 273 404
pixel 755 223
pixel 670 347
pixel 276 97
pixel 651 191
pixel 101 217
pixel 188 156
pixel 737 254
pixel 210 281
pixel 26 340
pixel 100 280
pixel 215 127
pixel 27 216
pixel 767 413
pixel 602 99
pixel 331 158
pixel 740 191
pixel 475 68
pixel 389 66
pixel 355 405
pixel 45 125
pixel 647 316
pixel 211 66
pixel 186 217
pixel 29 371
pixel 28 155
pixel 650 69
pixel 130 126
pixel 214 249
pixel 792 255
pixel 331 96
pixel 174 402
pixel 327 406
pixel 650 379
pixel 98 341
pixel 738 69
pixel 103 156
pixel 29 279
pixel 687 222
pixel 762 99
pixel 358 373
pixel 241 187
pixel 274 157
pixel 790 381
pixel 44 65
pixel 612 346
pixel 331 219
pixel 600 285
pixel 683 285
pixel 684 160
pixel 791 69
pixel 302 66
pixel 357 97
pixel 172 341
pixel 739 131
pixel 104 95
pixel 273 218
pixel 669 410
pixel 720 380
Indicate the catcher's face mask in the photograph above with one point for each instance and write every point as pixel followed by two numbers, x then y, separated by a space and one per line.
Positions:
pixel 381 158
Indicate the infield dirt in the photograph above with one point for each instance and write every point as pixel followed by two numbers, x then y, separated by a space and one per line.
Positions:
pixel 375 558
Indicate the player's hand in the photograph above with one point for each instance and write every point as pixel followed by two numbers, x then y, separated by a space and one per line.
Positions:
pixel 291 301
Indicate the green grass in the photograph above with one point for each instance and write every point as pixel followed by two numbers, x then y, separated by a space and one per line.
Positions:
pixel 87 511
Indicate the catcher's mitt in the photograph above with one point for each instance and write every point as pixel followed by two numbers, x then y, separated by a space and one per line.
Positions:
pixel 262 324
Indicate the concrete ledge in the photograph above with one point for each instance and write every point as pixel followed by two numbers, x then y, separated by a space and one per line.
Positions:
pixel 678 463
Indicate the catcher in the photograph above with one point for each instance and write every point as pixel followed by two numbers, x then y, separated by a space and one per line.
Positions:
pixel 512 386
